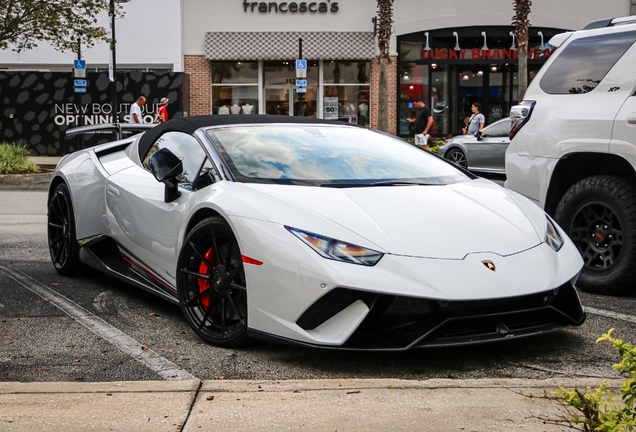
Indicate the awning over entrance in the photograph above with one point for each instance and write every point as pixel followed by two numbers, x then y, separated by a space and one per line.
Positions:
pixel 284 46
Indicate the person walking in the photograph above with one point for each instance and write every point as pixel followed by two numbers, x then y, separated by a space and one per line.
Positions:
pixel 423 121
pixel 477 120
pixel 135 110
pixel 162 112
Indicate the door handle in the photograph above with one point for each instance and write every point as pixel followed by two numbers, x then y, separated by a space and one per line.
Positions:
pixel 113 191
pixel 631 119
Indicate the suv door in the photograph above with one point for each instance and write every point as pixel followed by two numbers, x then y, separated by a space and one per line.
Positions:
pixel 623 141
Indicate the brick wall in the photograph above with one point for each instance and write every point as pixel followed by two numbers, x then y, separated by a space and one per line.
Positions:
pixel 200 91
pixel 392 103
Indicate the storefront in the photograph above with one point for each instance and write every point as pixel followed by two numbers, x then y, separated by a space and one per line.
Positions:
pixel 242 61
pixel 247 79
pixel 456 67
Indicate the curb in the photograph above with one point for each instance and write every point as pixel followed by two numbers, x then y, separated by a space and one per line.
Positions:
pixel 282 386
pixel 25 179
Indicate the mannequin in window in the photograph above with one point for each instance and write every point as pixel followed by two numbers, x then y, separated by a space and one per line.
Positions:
pixel 224 110
pixel 235 109
pixel 363 108
pixel 247 108
pixel 351 113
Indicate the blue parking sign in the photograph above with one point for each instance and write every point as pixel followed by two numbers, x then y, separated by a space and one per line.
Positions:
pixel 79 64
pixel 301 64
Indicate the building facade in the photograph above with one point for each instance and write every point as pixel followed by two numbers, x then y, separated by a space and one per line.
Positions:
pixel 241 53
pixel 239 56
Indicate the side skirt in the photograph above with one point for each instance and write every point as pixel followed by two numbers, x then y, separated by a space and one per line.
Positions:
pixel 103 254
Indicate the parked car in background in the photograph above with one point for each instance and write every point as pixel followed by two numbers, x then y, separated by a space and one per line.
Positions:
pixel 485 151
pixel 573 149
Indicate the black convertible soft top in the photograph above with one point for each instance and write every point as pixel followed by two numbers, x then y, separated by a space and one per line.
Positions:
pixel 190 124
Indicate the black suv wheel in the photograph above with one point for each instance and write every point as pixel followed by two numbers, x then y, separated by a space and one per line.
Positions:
pixel 599 215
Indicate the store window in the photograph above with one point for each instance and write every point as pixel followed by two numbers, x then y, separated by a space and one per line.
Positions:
pixel 234 87
pixel 413 83
pixel 346 91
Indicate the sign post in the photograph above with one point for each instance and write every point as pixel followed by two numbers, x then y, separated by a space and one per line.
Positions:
pixel 79 86
pixel 301 72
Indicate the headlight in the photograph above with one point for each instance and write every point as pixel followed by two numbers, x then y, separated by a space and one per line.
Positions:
pixel 336 249
pixel 552 236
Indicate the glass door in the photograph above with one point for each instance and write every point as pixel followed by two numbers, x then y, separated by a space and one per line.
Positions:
pixel 309 106
pixel 277 101
pixel 497 106
pixel 441 97
pixel 281 97
pixel 469 90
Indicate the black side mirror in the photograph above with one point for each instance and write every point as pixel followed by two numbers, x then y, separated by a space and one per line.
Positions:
pixel 478 135
pixel 165 166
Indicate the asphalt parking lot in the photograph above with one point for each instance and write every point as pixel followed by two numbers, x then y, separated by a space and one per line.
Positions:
pixel 96 329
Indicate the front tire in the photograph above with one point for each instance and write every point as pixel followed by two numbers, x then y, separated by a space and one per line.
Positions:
pixel 62 237
pixel 211 284
pixel 457 157
pixel 599 215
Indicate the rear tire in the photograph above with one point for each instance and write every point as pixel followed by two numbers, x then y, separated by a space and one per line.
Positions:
pixel 62 237
pixel 457 157
pixel 599 215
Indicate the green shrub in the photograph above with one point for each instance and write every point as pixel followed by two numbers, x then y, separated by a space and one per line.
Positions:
pixel 435 145
pixel 14 158
pixel 599 409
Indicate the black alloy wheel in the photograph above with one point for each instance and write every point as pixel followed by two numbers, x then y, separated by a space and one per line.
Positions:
pixel 211 284
pixel 457 157
pixel 62 239
pixel 599 215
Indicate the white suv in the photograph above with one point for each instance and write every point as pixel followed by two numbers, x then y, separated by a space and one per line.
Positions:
pixel 573 148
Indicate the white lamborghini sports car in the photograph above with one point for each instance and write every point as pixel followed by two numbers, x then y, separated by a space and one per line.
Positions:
pixel 312 232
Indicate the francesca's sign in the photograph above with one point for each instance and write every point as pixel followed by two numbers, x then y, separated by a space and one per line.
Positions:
pixel 293 7
pixel 481 54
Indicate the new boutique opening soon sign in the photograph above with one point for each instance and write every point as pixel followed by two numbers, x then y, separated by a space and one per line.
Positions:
pixel 38 107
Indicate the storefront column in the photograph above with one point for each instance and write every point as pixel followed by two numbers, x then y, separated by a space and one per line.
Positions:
pixel 200 85
pixel 392 93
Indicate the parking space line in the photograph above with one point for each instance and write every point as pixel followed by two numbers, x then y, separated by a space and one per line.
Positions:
pixel 129 346
pixel 610 314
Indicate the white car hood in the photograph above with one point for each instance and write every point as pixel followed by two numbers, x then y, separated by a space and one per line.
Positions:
pixel 422 221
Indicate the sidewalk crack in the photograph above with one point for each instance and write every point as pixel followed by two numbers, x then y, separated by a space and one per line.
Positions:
pixel 192 403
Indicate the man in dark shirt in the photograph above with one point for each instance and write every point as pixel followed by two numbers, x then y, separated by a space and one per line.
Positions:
pixel 423 122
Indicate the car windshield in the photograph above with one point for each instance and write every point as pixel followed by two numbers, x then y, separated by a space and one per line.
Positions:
pixel 324 155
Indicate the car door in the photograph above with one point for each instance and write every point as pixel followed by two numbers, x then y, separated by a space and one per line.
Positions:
pixel 488 151
pixel 143 224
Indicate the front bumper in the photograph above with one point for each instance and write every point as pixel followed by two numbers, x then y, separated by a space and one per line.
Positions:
pixel 400 322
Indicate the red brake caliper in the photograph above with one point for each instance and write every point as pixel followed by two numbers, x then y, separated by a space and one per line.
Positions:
pixel 205 284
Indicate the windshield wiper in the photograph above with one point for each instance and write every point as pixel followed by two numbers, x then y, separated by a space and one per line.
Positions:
pixel 380 183
pixel 404 183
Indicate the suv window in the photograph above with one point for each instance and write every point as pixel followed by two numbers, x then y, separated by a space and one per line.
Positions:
pixel 583 63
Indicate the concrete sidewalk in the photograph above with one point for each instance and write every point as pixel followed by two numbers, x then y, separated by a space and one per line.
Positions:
pixel 314 405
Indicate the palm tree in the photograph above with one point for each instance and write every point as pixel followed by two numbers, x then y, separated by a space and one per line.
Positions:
pixel 385 21
pixel 521 23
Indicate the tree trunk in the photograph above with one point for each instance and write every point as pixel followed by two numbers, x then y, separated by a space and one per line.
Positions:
pixel 383 95
pixel 385 22
pixel 521 23
pixel 522 75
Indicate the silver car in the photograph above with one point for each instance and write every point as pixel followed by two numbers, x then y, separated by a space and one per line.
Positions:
pixel 485 151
